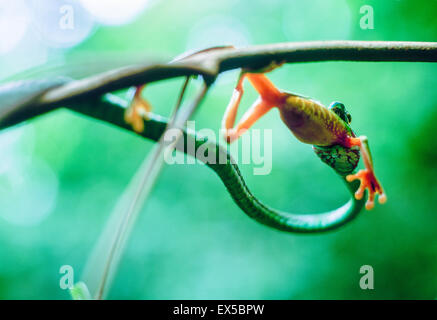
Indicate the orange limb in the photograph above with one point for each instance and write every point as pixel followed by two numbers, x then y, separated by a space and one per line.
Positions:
pixel 366 176
pixel 137 111
pixel 270 97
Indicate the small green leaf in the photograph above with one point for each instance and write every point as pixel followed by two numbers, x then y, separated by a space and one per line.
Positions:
pixel 80 292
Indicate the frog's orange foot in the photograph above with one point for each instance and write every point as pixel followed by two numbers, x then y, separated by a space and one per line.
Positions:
pixel 368 181
pixel 137 112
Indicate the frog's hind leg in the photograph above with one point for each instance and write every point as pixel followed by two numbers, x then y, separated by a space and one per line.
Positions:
pixel 270 97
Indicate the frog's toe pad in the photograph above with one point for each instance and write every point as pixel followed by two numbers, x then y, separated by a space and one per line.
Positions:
pixel 368 181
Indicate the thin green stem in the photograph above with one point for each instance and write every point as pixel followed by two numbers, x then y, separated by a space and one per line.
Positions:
pixel 209 64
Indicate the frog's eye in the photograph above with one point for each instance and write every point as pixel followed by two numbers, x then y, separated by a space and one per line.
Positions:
pixel 337 106
pixel 349 117
pixel 339 109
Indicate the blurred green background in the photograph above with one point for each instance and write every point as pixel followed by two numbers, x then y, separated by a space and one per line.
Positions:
pixel 61 174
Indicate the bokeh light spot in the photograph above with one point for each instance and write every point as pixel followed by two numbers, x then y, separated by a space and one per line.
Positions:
pixel 217 30
pixel 61 24
pixel 114 12
pixel 28 186
pixel 332 21
pixel 14 20
pixel 28 192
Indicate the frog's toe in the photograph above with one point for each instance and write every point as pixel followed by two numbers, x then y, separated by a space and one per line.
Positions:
pixel 370 203
pixel 382 198
pixel 136 113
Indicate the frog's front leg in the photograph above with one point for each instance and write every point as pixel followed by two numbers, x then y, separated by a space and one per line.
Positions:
pixel 366 176
pixel 138 110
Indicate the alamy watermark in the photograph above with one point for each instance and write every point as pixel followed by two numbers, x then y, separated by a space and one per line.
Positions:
pixel 67 279
pixel 367 280
pixel 66 21
pixel 253 147
pixel 367 20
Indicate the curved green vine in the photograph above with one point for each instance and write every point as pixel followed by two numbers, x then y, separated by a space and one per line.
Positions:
pixel 110 108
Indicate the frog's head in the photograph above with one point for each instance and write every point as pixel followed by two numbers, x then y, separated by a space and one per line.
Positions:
pixel 340 110
pixel 342 159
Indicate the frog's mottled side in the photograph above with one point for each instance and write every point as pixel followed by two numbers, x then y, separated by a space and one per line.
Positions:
pixel 342 159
